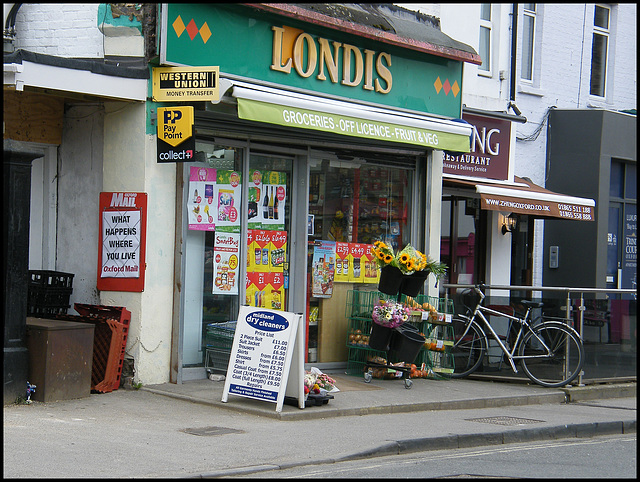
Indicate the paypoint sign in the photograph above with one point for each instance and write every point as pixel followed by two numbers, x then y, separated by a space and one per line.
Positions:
pixel 176 142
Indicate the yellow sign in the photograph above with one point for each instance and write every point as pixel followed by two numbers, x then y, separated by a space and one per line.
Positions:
pixel 186 84
pixel 175 124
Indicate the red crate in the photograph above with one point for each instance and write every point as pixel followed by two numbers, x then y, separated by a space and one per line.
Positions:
pixel 117 313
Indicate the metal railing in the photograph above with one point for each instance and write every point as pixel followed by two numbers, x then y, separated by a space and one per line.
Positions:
pixel 566 290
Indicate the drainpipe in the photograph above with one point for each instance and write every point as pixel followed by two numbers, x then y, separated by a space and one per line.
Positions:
pixel 514 50
pixel 9 33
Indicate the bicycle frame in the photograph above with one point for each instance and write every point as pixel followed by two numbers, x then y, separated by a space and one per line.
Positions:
pixel 522 323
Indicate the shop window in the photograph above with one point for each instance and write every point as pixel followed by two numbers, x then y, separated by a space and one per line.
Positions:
pixel 360 204
pixel 351 204
pixel 461 245
pixel 622 233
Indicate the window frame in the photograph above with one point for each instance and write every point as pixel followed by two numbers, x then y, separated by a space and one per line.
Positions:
pixel 485 24
pixel 531 47
pixel 604 32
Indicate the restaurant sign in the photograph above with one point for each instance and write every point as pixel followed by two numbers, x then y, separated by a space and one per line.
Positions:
pixel 490 150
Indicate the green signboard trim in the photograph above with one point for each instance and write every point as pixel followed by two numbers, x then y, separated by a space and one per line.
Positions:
pixel 350 126
pixel 239 40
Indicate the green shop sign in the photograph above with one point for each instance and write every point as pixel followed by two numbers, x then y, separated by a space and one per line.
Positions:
pixel 252 45
pixel 351 126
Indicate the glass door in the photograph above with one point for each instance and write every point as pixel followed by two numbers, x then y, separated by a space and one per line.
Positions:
pixel 268 231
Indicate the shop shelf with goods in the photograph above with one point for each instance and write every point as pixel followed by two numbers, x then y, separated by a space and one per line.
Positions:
pixel 218 344
pixel 430 316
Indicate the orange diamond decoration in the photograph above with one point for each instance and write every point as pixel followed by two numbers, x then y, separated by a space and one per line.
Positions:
pixel 205 33
pixel 455 89
pixel 438 85
pixel 178 26
pixel 447 87
pixel 192 29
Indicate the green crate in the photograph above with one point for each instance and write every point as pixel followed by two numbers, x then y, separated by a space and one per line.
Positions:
pixel 360 303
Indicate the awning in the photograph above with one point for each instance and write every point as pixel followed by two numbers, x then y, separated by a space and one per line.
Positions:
pixel 525 197
pixel 292 109
pixel 40 71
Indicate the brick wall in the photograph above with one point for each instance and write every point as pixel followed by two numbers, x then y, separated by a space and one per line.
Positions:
pixel 65 30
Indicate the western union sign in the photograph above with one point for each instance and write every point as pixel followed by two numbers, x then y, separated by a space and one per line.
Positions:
pixel 186 84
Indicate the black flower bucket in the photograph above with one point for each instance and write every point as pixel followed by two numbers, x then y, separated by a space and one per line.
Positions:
pixel 406 344
pixel 390 280
pixel 380 337
pixel 412 284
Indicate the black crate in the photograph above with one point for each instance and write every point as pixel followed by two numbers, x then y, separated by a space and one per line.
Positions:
pixel 50 278
pixel 49 292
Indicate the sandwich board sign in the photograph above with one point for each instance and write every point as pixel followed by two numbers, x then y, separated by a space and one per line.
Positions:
pixel 266 361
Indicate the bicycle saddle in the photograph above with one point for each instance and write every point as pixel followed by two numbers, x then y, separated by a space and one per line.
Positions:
pixel 532 304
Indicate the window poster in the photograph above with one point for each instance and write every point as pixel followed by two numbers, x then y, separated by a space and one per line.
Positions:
pixel 267 198
pixel 226 251
pixel 200 204
pixel 322 268
pixel 342 263
pixel 228 197
pixel 354 263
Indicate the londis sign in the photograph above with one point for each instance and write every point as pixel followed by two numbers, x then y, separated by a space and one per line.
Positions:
pixel 292 46
pixel 268 48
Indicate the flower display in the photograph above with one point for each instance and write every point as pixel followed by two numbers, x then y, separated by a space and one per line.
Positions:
pixel 317 382
pixel 408 261
pixel 390 313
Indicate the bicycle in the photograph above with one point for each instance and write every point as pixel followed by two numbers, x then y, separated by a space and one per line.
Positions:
pixel 551 353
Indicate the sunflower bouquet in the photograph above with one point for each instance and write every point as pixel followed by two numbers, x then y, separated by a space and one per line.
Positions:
pixel 408 261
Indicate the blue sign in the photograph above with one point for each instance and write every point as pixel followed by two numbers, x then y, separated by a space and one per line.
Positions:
pixel 267 321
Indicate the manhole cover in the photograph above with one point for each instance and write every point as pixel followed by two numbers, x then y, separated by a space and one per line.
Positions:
pixel 210 431
pixel 505 420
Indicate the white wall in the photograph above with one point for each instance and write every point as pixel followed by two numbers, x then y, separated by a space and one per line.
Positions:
pixel 130 164
pixel 61 29
pixel 79 185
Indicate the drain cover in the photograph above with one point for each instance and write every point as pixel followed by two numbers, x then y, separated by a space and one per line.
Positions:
pixel 505 420
pixel 210 431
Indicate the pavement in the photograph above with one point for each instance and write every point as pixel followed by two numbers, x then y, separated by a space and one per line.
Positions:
pixel 180 431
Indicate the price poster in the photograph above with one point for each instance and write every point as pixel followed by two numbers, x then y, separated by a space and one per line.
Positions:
pixel 228 196
pixel 201 205
pixel 342 262
pixel 261 357
pixel 267 198
pixel 359 255
pixel 322 268
pixel 226 251
pixel 369 265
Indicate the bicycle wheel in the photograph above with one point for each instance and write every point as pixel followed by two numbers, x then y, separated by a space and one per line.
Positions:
pixel 561 364
pixel 468 347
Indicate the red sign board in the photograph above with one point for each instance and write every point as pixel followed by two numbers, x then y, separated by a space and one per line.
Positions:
pixel 123 238
pixel 490 146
